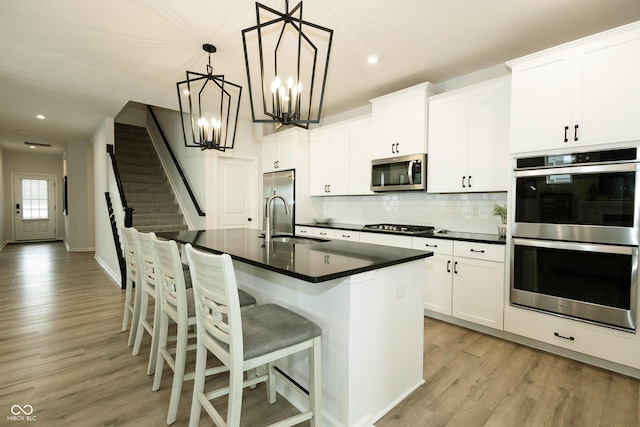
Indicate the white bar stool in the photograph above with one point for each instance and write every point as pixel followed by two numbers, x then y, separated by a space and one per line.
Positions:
pixel 260 336
pixel 130 305
pixel 147 288
pixel 177 304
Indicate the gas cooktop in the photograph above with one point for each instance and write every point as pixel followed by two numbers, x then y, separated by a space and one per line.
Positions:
pixel 399 228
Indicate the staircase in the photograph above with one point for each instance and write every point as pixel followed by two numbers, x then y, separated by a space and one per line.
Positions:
pixel 145 183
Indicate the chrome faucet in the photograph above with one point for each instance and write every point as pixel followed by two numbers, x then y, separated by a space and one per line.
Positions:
pixel 268 225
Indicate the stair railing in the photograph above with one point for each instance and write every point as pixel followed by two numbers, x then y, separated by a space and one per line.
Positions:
pixel 175 162
pixel 116 240
pixel 128 212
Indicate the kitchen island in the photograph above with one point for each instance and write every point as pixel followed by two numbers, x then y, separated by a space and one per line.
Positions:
pixel 366 298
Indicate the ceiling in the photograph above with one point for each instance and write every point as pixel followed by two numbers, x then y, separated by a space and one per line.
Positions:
pixel 78 61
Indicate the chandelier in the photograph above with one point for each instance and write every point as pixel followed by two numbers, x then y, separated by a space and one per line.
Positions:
pixel 211 114
pixel 292 60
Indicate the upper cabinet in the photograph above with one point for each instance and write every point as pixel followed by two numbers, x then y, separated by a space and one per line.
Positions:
pixel 280 150
pixel 340 158
pixel 400 121
pixel 583 93
pixel 469 139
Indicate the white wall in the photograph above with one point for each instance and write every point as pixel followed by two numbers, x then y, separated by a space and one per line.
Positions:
pixel 79 230
pixel 105 251
pixel 30 163
pixel 3 195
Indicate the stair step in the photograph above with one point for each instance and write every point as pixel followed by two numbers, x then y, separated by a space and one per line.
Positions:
pixel 134 178
pixel 133 198
pixel 151 208
pixel 157 219
pixel 146 186
pixel 161 228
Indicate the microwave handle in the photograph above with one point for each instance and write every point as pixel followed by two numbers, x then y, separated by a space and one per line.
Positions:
pixel 410 172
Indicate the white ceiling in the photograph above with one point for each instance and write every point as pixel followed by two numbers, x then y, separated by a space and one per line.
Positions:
pixel 78 61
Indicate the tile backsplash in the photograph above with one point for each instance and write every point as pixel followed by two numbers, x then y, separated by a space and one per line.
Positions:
pixel 471 213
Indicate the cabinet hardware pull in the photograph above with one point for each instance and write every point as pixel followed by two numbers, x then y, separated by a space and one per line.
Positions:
pixel 393 148
pixel 463 181
pixel 481 251
pixel 430 246
pixel 449 266
pixel 570 338
pixel 397 147
pixel 455 267
pixel 329 188
pixel 566 129
pixel 346 236
pixel 575 133
pixel 469 181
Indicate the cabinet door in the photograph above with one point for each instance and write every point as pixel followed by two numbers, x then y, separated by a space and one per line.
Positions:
pixel 448 139
pixel 437 283
pixel 287 150
pixel 269 153
pixel 383 114
pixel 607 92
pixel 318 162
pixel 478 291
pixel 489 162
pixel 360 157
pixel 411 114
pixel 541 102
pixel 338 162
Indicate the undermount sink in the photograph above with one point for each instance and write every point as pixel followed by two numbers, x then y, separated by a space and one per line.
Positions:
pixel 295 240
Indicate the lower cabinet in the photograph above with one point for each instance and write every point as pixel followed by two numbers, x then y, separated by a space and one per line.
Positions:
pixel 464 280
pixel 604 343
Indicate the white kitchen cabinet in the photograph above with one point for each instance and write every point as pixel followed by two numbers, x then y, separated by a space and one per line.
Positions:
pixel 280 150
pixel 400 121
pixel 386 239
pixel 340 158
pixel 604 343
pixel 469 139
pixel 579 94
pixel 353 236
pixel 360 156
pixel 464 280
pixel 329 160
pixel 478 283
pixel 438 273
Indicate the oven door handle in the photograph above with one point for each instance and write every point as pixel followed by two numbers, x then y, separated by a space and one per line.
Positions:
pixel 574 246
pixel 573 170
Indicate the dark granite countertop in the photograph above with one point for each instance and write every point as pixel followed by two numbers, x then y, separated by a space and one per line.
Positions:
pixel 317 261
pixel 448 235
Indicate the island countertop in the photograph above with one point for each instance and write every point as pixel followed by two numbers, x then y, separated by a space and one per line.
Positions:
pixel 313 261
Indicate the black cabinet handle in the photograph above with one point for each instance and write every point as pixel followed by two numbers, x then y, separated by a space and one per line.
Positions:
pixel 563 337
pixel 455 267
pixel 430 246
pixel 566 129
pixel 469 181
pixel 449 266
pixel 463 186
pixel 481 251
pixel 575 133
pixel 397 147
pixel 329 188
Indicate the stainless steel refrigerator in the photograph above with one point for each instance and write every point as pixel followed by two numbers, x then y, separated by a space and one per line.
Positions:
pixel 282 183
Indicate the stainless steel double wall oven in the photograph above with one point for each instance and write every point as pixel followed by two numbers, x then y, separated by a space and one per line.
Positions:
pixel 575 232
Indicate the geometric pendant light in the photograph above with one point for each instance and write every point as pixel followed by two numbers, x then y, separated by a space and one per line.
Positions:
pixel 210 106
pixel 287 60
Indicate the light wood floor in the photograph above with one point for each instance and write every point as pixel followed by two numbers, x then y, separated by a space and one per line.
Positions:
pixel 62 352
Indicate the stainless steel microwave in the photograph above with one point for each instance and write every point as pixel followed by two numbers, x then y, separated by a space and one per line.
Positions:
pixel 402 173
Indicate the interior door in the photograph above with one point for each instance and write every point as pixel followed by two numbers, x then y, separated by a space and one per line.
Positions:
pixel 239 193
pixel 34 207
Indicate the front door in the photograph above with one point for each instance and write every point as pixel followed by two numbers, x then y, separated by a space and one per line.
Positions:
pixel 34 207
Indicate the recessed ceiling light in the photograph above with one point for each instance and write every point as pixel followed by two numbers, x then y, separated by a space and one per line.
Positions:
pixel 373 59
pixel 40 116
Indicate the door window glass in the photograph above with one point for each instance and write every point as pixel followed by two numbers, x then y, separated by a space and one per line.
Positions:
pixel 35 199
